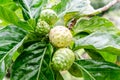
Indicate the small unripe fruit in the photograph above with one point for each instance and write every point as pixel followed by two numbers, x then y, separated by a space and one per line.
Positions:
pixel 49 16
pixel 42 28
pixel 60 36
pixel 63 59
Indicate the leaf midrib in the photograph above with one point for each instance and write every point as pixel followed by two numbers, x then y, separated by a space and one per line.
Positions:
pixel 13 49
pixel 41 63
pixel 85 70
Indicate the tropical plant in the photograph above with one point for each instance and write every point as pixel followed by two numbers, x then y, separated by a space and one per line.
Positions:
pixel 40 38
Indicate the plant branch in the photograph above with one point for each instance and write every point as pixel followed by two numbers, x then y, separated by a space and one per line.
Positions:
pixel 106 7
pixel 98 11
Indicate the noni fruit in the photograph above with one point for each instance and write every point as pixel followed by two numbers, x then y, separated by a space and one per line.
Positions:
pixel 60 36
pixel 62 59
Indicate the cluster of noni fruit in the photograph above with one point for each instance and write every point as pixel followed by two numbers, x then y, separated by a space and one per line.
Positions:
pixel 60 37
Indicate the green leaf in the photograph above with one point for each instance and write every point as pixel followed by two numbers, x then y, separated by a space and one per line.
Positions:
pixel 5 1
pixel 2 70
pixel 15 55
pixel 108 57
pixel 11 5
pixel 72 8
pixel 99 55
pixel 60 7
pixel 94 54
pixel 33 63
pixel 31 8
pixel 100 41
pixel 77 8
pixel 98 70
pixel 58 75
pixel 75 71
pixel 118 60
pixel 94 24
pixel 8 4
pixel 9 16
pixel 32 23
pixel 11 38
pixel 80 35
pixel 83 7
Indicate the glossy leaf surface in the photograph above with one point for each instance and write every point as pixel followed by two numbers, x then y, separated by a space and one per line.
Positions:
pixel 98 70
pixel 33 63
pixel 11 38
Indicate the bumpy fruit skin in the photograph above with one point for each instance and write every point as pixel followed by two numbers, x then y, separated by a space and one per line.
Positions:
pixel 49 16
pixel 60 36
pixel 62 59
pixel 42 28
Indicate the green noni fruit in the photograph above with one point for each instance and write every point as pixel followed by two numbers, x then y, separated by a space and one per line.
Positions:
pixel 42 28
pixel 62 59
pixel 60 36
pixel 49 16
